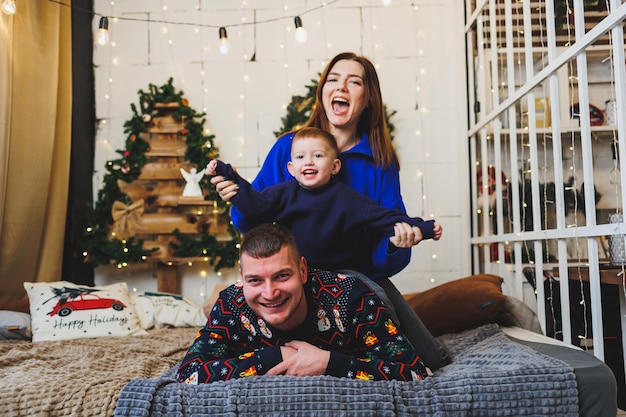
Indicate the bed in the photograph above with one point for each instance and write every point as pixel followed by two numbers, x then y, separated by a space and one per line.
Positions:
pixel 496 370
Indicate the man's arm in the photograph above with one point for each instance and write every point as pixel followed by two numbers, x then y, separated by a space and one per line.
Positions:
pixel 383 352
pixel 221 351
pixel 379 351
pixel 301 359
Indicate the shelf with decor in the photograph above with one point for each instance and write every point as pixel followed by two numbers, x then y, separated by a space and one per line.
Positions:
pixel 547 178
pixel 156 206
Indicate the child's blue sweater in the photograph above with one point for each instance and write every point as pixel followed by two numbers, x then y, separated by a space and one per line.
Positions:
pixel 326 221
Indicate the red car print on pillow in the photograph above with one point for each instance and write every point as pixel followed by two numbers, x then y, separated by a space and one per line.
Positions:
pixel 81 299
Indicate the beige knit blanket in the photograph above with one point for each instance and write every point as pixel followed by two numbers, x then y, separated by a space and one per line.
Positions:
pixel 82 377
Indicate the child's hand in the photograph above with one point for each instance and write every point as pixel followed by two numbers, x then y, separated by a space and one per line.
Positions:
pixel 438 231
pixel 211 168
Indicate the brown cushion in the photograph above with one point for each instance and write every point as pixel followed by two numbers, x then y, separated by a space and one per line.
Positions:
pixel 459 305
pixel 21 305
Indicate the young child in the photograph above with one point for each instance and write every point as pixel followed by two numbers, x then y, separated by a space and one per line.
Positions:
pixel 326 216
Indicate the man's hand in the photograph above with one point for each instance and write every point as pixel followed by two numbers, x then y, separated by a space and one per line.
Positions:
pixel 301 359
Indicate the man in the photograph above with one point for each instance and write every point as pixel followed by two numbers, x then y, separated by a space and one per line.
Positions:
pixel 285 320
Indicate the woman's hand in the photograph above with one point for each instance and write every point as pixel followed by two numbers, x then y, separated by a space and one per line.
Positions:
pixel 225 188
pixel 301 359
pixel 405 235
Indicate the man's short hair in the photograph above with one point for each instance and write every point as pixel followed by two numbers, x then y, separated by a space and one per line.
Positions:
pixel 317 133
pixel 266 240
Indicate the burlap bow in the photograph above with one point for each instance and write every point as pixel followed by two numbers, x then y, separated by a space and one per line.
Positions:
pixel 127 219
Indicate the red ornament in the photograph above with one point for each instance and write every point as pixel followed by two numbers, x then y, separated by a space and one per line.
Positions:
pixel 183 131
pixel 125 169
pixel 126 153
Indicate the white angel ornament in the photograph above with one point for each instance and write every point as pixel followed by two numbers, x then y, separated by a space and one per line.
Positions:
pixel 192 188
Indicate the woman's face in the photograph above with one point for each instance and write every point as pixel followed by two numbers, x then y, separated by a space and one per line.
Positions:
pixel 344 95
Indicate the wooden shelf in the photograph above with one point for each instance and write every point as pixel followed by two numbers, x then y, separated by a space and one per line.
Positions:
pixel 609 274
pixel 160 185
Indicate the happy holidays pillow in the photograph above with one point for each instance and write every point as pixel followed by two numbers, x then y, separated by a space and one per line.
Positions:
pixel 62 310
pixel 160 310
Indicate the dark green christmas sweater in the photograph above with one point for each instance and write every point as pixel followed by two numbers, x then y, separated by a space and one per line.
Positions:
pixel 344 317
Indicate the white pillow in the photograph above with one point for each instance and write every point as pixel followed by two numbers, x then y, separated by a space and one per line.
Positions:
pixel 167 310
pixel 62 310
pixel 14 325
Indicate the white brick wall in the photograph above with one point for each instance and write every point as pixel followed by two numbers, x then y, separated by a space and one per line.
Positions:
pixel 418 47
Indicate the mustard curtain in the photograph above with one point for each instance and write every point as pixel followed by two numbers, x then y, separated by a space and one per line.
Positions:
pixel 35 139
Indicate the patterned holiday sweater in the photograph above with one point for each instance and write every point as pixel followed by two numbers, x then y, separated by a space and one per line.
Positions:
pixel 345 317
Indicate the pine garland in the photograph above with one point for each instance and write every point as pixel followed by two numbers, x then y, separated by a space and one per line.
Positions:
pixel 100 248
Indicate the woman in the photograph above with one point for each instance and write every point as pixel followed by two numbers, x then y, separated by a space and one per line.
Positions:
pixel 349 105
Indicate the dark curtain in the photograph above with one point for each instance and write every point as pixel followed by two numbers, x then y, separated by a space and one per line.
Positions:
pixel 83 143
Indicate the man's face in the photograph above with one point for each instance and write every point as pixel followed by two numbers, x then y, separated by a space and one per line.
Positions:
pixel 273 288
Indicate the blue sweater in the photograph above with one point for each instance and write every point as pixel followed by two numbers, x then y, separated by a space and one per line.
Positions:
pixel 325 221
pixel 359 171
pixel 344 317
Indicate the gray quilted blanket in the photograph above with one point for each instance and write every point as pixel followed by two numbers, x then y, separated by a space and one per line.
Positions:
pixel 490 375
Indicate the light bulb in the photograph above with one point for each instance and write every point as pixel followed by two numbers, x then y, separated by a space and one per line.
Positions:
pixel 103 32
pixel 223 41
pixel 8 7
pixel 300 32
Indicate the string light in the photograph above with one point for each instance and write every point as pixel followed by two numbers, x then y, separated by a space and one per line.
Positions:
pixel 103 31
pixel 301 34
pixel 223 40
pixel 9 7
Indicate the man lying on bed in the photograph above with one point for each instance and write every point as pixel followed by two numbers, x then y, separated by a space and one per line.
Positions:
pixel 284 319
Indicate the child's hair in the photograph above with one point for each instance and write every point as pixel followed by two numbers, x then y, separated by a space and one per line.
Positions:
pixel 317 133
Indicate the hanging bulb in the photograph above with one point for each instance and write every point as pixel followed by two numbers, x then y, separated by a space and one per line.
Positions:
pixel 223 41
pixel 300 32
pixel 615 174
pixel 103 32
pixel 8 7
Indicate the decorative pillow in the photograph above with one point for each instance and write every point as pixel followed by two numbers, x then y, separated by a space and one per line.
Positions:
pixel 14 325
pixel 62 310
pixel 161 310
pixel 460 304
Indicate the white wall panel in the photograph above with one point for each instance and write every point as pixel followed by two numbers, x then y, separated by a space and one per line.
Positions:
pixel 418 47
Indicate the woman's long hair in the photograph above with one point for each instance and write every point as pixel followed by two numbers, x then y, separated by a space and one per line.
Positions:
pixel 372 120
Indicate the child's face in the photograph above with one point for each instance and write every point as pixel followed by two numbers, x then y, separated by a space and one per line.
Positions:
pixel 313 162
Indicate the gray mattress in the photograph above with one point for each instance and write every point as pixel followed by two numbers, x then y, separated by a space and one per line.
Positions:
pixel 490 375
pixel 597 388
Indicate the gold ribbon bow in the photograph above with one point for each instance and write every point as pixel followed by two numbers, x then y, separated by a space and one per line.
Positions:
pixel 126 219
